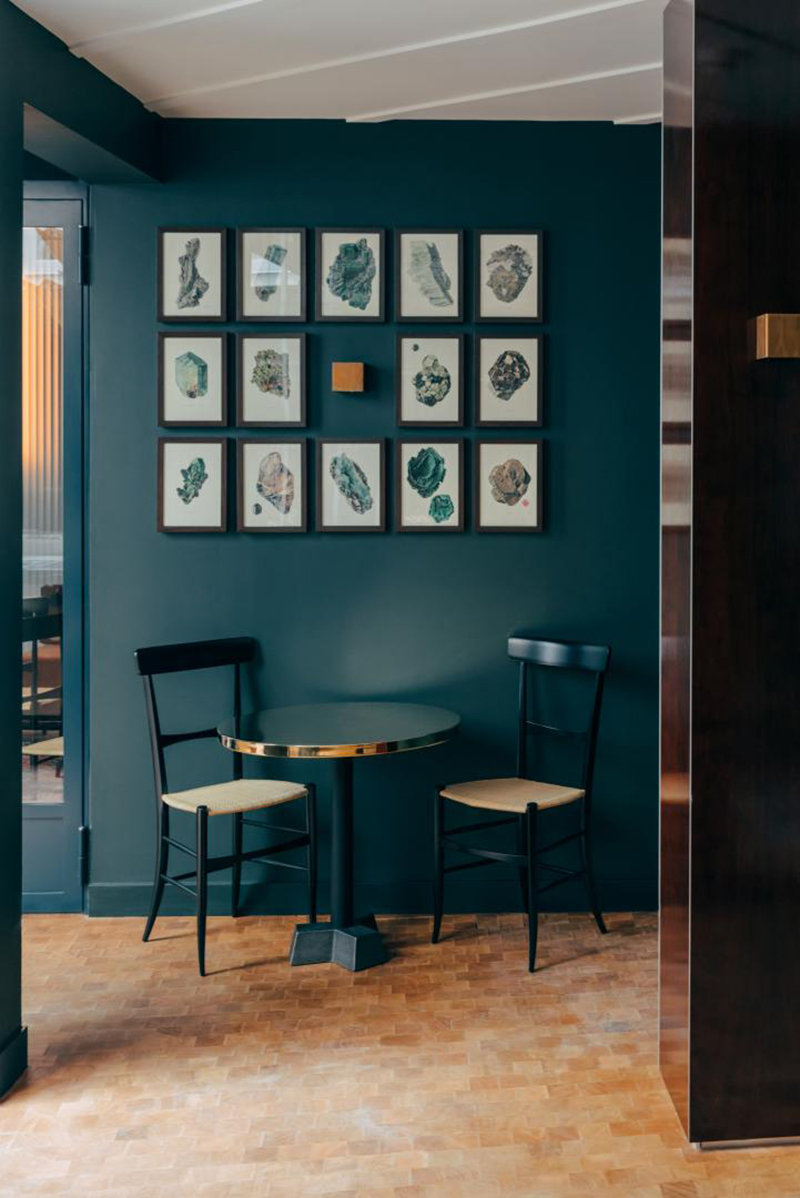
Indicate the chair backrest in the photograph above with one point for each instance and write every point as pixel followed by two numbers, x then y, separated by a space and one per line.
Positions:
pixel 533 652
pixel 174 659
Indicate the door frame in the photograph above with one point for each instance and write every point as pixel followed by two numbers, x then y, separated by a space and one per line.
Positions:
pixel 51 195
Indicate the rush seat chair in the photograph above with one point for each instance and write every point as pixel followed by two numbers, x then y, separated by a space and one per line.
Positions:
pixel 523 801
pixel 237 798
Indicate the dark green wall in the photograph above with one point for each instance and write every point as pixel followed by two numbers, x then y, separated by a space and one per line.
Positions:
pixel 37 69
pixel 408 617
pixel 37 169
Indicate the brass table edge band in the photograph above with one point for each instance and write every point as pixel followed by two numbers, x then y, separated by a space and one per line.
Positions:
pixel 370 749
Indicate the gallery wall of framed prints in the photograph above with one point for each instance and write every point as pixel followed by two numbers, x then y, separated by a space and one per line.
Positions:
pixel 254 377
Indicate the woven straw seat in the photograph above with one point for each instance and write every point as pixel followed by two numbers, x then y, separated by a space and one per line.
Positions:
pixel 511 794
pixel 54 747
pixel 230 798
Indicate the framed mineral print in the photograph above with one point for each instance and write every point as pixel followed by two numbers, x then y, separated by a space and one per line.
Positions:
pixel 508 381
pixel 429 486
pixel 192 484
pixel 350 283
pixel 429 381
pixel 428 274
pixel 271 381
pixel 508 486
pixel 192 379
pixel 351 486
pixel 271 274
pixel 191 276
pixel 271 486
pixel 508 275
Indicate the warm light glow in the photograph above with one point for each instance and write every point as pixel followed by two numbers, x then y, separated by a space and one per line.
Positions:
pixel 42 397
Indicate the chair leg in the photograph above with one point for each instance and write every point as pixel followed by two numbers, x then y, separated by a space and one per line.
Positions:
pixel 162 859
pixel 236 872
pixel 202 886
pixel 533 898
pixel 311 828
pixel 522 870
pixel 438 865
pixel 586 862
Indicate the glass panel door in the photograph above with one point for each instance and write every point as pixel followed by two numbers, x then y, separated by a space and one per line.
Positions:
pixel 52 570
pixel 42 514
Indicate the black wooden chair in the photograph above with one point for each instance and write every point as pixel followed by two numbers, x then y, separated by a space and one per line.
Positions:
pixel 235 798
pixel 522 799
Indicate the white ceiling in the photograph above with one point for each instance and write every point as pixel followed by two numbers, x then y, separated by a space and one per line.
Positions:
pixel 370 60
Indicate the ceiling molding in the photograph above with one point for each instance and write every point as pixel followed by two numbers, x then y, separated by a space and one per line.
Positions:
pixel 569 81
pixel 644 118
pixel 159 102
pixel 79 48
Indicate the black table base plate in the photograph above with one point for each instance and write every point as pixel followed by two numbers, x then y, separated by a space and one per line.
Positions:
pixel 357 947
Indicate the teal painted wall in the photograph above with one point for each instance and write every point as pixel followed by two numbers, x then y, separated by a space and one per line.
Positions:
pixel 37 69
pixel 408 617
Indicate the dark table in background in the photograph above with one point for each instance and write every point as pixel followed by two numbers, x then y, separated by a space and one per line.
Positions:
pixel 339 732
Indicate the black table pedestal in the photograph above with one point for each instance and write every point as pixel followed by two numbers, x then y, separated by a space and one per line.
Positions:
pixel 352 943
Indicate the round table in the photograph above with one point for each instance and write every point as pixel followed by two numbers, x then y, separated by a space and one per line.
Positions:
pixel 339 732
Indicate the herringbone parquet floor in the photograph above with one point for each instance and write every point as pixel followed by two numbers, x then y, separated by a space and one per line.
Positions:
pixel 447 1073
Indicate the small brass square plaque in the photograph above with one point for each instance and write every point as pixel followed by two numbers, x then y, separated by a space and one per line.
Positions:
pixel 347 376
pixel 777 335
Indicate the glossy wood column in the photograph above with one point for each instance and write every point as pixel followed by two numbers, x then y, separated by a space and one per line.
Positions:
pixel 730 802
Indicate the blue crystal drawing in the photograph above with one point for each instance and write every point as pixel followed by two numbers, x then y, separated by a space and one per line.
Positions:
pixel 441 508
pixel 193 478
pixel 352 482
pixel 509 271
pixel 427 270
pixel 351 273
pixel 266 272
pixel 426 471
pixel 191 375
pixel 509 373
pixel 432 382
pixel 192 286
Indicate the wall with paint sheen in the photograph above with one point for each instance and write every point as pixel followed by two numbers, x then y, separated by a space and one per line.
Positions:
pixel 407 617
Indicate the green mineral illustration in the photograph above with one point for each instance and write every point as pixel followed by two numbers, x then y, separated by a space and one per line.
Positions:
pixel 352 482
pixel 426 471
pixel 193 478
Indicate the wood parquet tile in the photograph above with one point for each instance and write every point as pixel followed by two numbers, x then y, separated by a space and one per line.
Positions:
pixel 450 1072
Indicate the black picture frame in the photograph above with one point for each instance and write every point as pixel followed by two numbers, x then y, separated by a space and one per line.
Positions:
pixel 241 338
pixel 426 317
pixel 353 232
pixel 162 339
pixel 321 442
pixel 398 485
pixel 480 338
pixel 223 525
pixel 509 319
pixel 264 444
pixel 240 276
pixel 202 318
pixel 398 380
pixel 477 483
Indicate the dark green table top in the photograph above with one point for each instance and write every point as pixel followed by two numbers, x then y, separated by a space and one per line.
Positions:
pixel 338 729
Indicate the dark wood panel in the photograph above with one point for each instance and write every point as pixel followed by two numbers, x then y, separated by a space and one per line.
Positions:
pixel 744 956
pixel 745 1056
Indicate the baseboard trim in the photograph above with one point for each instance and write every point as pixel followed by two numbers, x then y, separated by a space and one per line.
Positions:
pixel 13 1060
pixel 109 899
